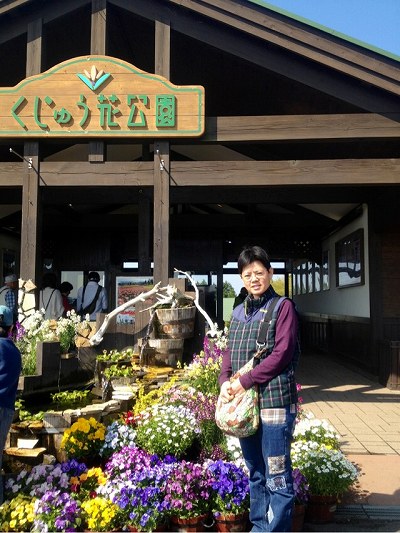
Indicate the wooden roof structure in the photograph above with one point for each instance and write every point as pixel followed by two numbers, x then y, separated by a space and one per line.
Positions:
pixel 296 117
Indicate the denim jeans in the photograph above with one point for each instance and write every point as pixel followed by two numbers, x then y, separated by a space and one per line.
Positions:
pixel 6 417
pixel 267 456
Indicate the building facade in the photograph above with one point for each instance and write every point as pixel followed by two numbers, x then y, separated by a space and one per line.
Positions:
pixel 297 152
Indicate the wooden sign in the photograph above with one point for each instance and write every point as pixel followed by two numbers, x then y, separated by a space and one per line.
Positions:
pixel 100 96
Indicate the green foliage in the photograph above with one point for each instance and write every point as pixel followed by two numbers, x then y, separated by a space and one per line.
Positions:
pixel 25 415
pixel 119 371
pixel 114 356
pixel 228 290
pixel 71 398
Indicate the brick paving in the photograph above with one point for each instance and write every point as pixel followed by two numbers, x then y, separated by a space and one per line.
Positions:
pixel 366 414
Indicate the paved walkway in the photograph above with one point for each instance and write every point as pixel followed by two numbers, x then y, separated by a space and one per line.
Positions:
pixel 367 416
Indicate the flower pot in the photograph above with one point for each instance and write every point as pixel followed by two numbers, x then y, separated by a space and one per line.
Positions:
pixel 195 523
pixel 232 522
pixel 320 509
pixel 160 527
pixel 177 323
pixel 298 515
pixel 167 351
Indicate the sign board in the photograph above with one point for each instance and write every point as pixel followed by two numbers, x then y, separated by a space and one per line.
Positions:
pixel 100 96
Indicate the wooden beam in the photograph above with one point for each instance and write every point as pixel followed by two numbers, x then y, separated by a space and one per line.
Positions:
pixel 31 216
pixel 224 173
pixel 232 36
pixel 283 173
pixel 34 48
pixel 11 174
pixel 61 174
pixel 31 195
pixel 299 127
pixel 98 47
pixel 161 163
pixel 301 39
pixel 15 26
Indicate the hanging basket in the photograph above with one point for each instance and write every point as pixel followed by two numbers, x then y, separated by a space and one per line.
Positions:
pixel 176 323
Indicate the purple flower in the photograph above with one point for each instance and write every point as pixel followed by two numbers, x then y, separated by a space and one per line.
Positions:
pixel 230 486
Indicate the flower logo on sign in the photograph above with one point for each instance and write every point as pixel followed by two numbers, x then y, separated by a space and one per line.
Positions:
pixel 94 79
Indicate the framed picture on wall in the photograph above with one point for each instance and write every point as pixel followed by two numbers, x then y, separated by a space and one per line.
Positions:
pixel 349 253
pixel 127 288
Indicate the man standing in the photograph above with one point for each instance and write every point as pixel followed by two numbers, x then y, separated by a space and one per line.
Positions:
pixel 92 297
pixel 10 369
pixel 8 294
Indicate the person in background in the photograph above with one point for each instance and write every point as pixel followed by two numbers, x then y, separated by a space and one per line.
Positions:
pixel 9 294
pixel 267 452
pixel 240 298
pixel 65 289
pixel 92 297
pixel 50 299
pixel 10 369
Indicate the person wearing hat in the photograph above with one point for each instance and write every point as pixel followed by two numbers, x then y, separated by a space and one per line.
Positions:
pixel 92 297
pixel 10 369
pixel 8 294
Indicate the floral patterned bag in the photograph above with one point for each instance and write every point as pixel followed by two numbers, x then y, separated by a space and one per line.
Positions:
pixel 240 416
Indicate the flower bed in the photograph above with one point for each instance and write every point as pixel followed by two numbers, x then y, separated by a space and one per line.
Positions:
pixel 165 459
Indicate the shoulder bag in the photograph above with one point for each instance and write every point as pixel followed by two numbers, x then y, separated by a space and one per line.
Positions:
pixel 240 416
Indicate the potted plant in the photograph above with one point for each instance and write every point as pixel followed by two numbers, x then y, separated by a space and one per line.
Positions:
pixel 136 484
pixel 118 435
pixel 329 474
pixel 17 514
pixel 57 511
pixel 167 429
pixel 70 399
pixel 230 496
pixel 187 494
pixel 101 514
pixel 84 439
pixel 302 494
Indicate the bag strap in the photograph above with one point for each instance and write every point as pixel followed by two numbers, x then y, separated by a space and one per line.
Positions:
pixel 263 332
pixel 96 296
pixel 48 301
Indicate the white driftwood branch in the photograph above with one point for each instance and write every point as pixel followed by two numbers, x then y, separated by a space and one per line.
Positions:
pixel 98 336
pixel 213 330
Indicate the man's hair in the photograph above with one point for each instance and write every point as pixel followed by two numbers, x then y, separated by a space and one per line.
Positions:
pixel 250 254
pixel 66 286
pixel 94 276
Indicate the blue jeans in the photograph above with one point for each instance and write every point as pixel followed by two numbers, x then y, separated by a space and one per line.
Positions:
pixel 6 417
pixel 267 456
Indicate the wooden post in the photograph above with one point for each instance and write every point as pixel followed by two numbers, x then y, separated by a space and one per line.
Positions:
pixel 98 47
pixel 161 165
pixel 31 202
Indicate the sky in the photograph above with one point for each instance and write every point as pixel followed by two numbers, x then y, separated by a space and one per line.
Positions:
pixel 375 22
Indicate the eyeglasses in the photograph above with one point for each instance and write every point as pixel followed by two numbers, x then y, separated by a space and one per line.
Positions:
pixel 248 277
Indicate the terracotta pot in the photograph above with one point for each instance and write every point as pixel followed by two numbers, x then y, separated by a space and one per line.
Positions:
pixel 298 515
pixel 321 509
pixel 232 522
pixel 196 523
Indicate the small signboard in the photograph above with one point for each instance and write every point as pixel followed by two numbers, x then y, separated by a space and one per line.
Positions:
pixel 100 96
